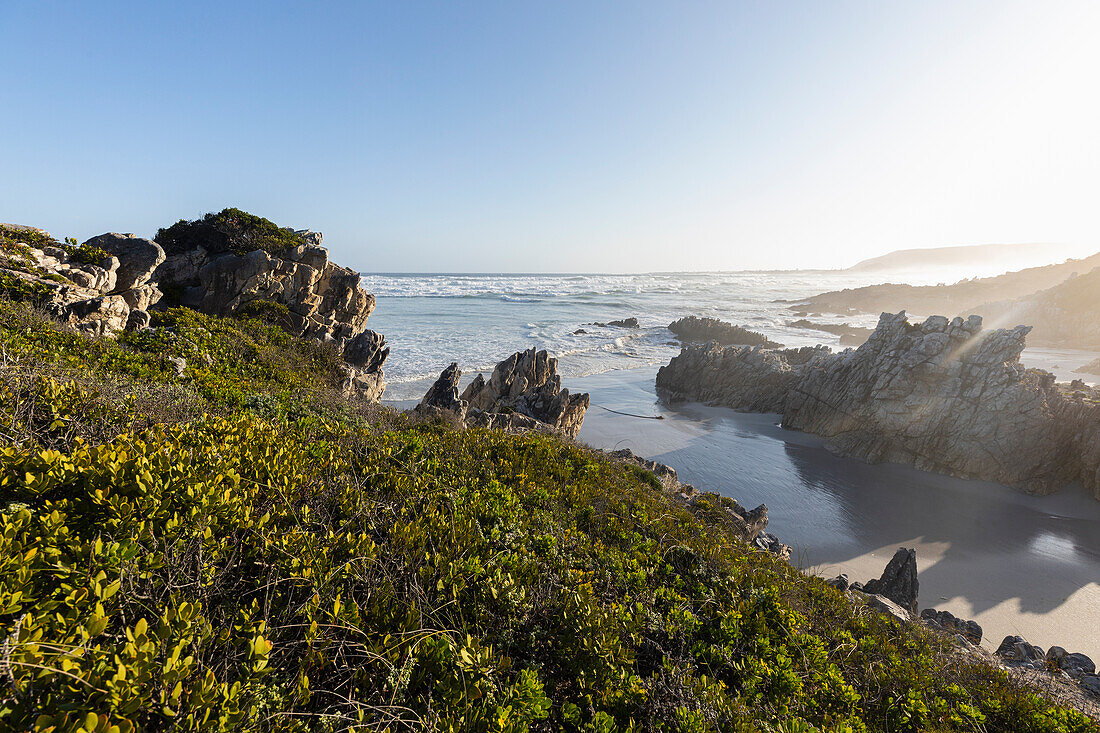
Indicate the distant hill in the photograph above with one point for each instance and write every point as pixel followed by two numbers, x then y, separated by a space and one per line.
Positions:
pixel 1067 315
pixel 969 260
pixel 964 297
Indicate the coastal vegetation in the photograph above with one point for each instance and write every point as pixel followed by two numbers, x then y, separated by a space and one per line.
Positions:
pixel 198 532
pixel 229 230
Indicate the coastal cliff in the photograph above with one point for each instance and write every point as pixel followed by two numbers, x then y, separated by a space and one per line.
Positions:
pixel 942 395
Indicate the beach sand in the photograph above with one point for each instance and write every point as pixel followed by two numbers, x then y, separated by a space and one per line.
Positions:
pixel 1016 564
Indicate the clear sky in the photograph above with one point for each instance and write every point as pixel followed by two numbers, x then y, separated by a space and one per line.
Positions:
pixel 561 136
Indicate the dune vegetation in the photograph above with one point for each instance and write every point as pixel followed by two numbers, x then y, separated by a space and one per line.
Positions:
pixel 226 543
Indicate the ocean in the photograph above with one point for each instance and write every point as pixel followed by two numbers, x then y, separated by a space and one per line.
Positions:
pixel 1017 564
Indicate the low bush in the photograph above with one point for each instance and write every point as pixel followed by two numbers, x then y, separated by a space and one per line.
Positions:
pixel 229 230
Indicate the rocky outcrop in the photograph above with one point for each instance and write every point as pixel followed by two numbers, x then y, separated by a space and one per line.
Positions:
pixel 99 287
pixel 945 396
pixel 524 392
pixel 111 281
pixel 898 581
pixel 947 622
pixel 527 383
pixel 693 329
pixel 748 378
pixel 1075 664
pixel 941 395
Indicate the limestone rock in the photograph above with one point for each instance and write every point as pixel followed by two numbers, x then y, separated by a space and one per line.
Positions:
pixel 100 316
pixel 946 621
pixel 527 383
pixel 693 329
pixel 898 581
pixel 138 258
pixel 885 605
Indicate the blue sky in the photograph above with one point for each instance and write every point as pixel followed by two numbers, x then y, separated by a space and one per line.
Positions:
pixel 560 136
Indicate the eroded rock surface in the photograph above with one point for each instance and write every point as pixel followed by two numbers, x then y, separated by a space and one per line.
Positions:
pixel 941 395
pixel 947 621
pixel 898 581
pixel 528 383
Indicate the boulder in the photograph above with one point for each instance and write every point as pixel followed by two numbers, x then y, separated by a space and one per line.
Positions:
pixel 138 258
pixel 693 329
pixel 367 351
pixel 101 316
pixel 1090 684
pixel 946 621
pixel 1016 649
pixel 898 581
pixel 1076 665
pixel 527 383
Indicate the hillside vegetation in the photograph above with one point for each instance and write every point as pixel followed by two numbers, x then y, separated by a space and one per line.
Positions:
pixel 228 545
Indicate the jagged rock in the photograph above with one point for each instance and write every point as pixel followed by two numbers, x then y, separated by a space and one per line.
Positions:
pixel 1091 684
pixel 667 474
pixel 509 422
pixel 946 621
pixel 367 351
pixel 701 330
pixel 326 302
pixel 746 524
pixel 143 297
pixel 940 395
pixel 1075 664
pixel 625 323
pixel 840 582
pixel 1016 649
pixel 742 377
pixel 898 581
pixel 946 397
pixel 138 258
pixel 363 384
pixel 770 543
pixel 528 383
pixel 442 396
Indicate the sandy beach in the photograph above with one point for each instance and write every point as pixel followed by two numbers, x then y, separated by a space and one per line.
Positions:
pixel 1016 564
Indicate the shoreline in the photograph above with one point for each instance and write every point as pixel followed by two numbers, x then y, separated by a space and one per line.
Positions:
pixel 1013 562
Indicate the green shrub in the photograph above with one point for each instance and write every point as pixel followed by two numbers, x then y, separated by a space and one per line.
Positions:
pixel 229 230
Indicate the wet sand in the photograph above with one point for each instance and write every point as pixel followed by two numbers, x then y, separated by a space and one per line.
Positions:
pixel 1015 563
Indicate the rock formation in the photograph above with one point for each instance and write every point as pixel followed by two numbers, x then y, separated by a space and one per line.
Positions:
pixel 941 395
pixel 693 329
pixel 946 621
pixel 524 392
pixel 221 264
pixel 898 581
pixel 742 377
pixel 527 383
pixel 95 287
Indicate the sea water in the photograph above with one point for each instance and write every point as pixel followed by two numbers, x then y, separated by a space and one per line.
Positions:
pixel 1017 564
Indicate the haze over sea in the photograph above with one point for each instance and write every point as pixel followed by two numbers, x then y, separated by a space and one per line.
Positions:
pixel 1013 562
